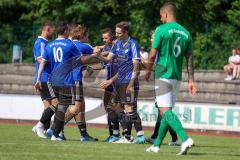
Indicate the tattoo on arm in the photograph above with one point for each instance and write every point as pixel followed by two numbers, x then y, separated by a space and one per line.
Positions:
pixel 190 68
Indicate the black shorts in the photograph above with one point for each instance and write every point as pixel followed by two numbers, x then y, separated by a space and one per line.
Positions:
pixel 47 91
pixel 77 92
pixel 124 98
pixel 64 95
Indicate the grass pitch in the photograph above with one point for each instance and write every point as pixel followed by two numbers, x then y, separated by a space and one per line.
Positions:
pixel 18 142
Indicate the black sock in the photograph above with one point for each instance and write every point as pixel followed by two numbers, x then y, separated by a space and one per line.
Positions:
pixel 128 122
pixel 58 123
pixel 47 125
pixel 157 125
pixel 173 134
pixel 47 114
pixel 110 126
pixel 82 128
pixel 114 120
pixel 136 121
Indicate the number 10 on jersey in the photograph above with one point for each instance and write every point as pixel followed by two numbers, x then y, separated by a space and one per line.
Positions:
pixel 58 54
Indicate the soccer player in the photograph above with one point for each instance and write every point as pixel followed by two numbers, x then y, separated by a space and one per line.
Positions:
pixel 58 53
pixel 80 39
pixel 112 109
pixel 172 42
pixel 126 51
pixel 173 134
pixel 46 92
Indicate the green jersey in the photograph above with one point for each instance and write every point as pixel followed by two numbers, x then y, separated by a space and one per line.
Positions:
pixel 172 42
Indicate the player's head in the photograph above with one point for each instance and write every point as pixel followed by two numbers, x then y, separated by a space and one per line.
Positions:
pixel 48 29
pixel 167 12
pixel 108 35
pixel 80 33
pixel 71 27
pixel 122 29
pixel 62 29
pixel 234 51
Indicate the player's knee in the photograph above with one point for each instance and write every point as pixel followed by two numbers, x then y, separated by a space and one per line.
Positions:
pixel 128 108
pixel 74 109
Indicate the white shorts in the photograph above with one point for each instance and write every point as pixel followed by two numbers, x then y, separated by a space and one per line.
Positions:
pixel 166 91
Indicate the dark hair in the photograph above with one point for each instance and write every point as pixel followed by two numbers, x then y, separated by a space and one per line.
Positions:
pixel 170 6
pixel 50 24
pixel 110 33
pixel 123 25
pixel 62 27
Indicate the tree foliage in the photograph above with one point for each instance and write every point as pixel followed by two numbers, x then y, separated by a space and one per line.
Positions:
pixel 214 25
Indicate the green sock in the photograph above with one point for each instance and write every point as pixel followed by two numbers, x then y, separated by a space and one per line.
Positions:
pixel 176 125
pixel 162 131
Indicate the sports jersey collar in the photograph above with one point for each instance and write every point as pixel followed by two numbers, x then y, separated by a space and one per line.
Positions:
pixel 42 38
pixel 126 42
pixel 60 38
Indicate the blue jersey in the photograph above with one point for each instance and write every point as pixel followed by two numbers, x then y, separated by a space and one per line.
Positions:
pixel 85 49
pixel 125 54
pixel 111 67
pixel 58 53
pixel 39 46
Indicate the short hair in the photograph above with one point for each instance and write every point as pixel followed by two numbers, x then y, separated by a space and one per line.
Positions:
pixel 123 25
pixel 46 24
pixel 79 32
pixel 62 27
pixel 170 7
pixel 109 31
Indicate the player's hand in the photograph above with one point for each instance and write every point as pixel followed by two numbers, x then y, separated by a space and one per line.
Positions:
pixel 191 88
pixel 104 84
pixel 96 51
pixel 38 86
pixel 148 75
pixel 129 89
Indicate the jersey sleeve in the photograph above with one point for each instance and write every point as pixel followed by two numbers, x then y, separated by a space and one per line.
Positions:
pixel 135 51
pixel 157 38
pixel 88 49
pixel 45 55
pixel 114 49
pixel 75 51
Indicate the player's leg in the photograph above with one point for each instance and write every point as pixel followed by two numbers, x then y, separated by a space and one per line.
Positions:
pixel 137 122
pixel 112 109
pixel 65 99
pixel 48 96
pixel 167 98
pixel 80 116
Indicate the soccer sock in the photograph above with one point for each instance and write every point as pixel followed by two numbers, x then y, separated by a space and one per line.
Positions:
pixel 109 126
pixel 82 128
pixel 162 131
pixel 47 114
pixel 173 134
pixel 176 125
pixel 123 121
pixel 137 123
pixel 114 123
pixel 156 128
pixel 47 124
pixel 129 123
pixel 58 123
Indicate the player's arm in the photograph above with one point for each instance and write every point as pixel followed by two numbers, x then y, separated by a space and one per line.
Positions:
pixel 104 84
pixel 150 63
pixel 37 85
pixel 190 70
